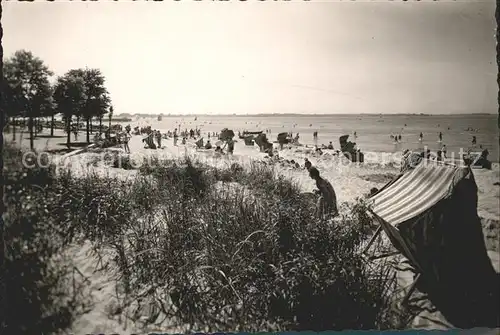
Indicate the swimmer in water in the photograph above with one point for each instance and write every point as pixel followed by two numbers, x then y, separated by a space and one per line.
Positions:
pixel 440 137
pixel 473 140
pixel 421 137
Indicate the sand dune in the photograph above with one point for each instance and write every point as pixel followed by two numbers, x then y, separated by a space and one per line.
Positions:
pixel 350 181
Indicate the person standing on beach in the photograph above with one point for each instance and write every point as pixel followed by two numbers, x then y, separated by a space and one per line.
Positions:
pixel 327 203
pixel 230 146
pixel 158 138
pixel 126 138
pixel 473 140
pixel 176 137
pixel 75 132
pixel 443 150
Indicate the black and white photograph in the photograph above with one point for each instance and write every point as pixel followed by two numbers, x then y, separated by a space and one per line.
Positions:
pixel 249 166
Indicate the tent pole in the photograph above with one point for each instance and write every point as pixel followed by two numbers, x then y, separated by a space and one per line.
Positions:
pixel 387 254
pixel 377 233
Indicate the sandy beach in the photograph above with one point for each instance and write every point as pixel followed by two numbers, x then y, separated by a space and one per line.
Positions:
pixel 349 180
pixel 371 203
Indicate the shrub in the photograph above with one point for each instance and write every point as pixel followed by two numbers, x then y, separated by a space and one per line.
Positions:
pixel 35 272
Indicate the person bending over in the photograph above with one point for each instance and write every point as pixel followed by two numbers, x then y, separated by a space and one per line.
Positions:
pixel 327 202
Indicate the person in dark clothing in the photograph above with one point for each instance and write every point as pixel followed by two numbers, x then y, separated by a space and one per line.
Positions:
pixel 230 146
pixel 307 164
pixel 327 202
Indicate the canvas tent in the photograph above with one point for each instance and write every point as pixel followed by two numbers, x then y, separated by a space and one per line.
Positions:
pixel 429 213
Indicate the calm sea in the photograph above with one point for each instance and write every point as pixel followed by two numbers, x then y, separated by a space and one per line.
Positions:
pixel 373 131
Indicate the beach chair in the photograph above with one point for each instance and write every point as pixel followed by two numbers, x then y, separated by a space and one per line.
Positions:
pixel 199 143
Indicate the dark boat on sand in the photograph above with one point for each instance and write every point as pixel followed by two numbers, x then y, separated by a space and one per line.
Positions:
pixel 245 134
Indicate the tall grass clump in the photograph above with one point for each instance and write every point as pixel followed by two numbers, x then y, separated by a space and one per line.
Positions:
pixel 236 250
pixel 36 275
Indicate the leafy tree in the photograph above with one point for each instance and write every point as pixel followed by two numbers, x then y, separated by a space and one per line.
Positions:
pixel 70 97
pixel 97 98
pixel 11 106
pixel 28 78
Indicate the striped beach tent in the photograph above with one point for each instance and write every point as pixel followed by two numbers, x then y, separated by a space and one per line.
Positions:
pixel 429 213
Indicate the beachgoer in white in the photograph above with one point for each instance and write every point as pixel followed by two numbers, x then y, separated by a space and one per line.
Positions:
pixel 443 150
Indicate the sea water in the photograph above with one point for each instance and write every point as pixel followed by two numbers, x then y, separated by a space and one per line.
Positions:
pixel 373 131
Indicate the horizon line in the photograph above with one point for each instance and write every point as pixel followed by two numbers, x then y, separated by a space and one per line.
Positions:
pixel 300 114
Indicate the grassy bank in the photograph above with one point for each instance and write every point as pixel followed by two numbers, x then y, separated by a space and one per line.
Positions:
pixel 229 249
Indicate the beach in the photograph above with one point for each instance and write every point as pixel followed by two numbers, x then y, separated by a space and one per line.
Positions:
pixel 350 181
pixel 372 131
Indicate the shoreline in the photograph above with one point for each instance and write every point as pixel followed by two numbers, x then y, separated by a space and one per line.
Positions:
pixel 349 182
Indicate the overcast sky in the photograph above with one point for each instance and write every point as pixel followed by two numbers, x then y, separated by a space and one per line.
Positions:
pixel 265 57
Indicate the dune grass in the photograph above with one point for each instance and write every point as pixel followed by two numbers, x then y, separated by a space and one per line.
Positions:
pixel 232 249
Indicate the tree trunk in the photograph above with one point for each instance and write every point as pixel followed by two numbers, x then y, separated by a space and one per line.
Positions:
pixel 77 124
pixel 13 129
pixel 30 126
pixel 52 126
pixel 91 125
pixel 100 124
pixel 68 131
pixel 88 130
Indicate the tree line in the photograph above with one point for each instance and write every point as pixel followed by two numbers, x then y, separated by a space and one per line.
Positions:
pixel 28 93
